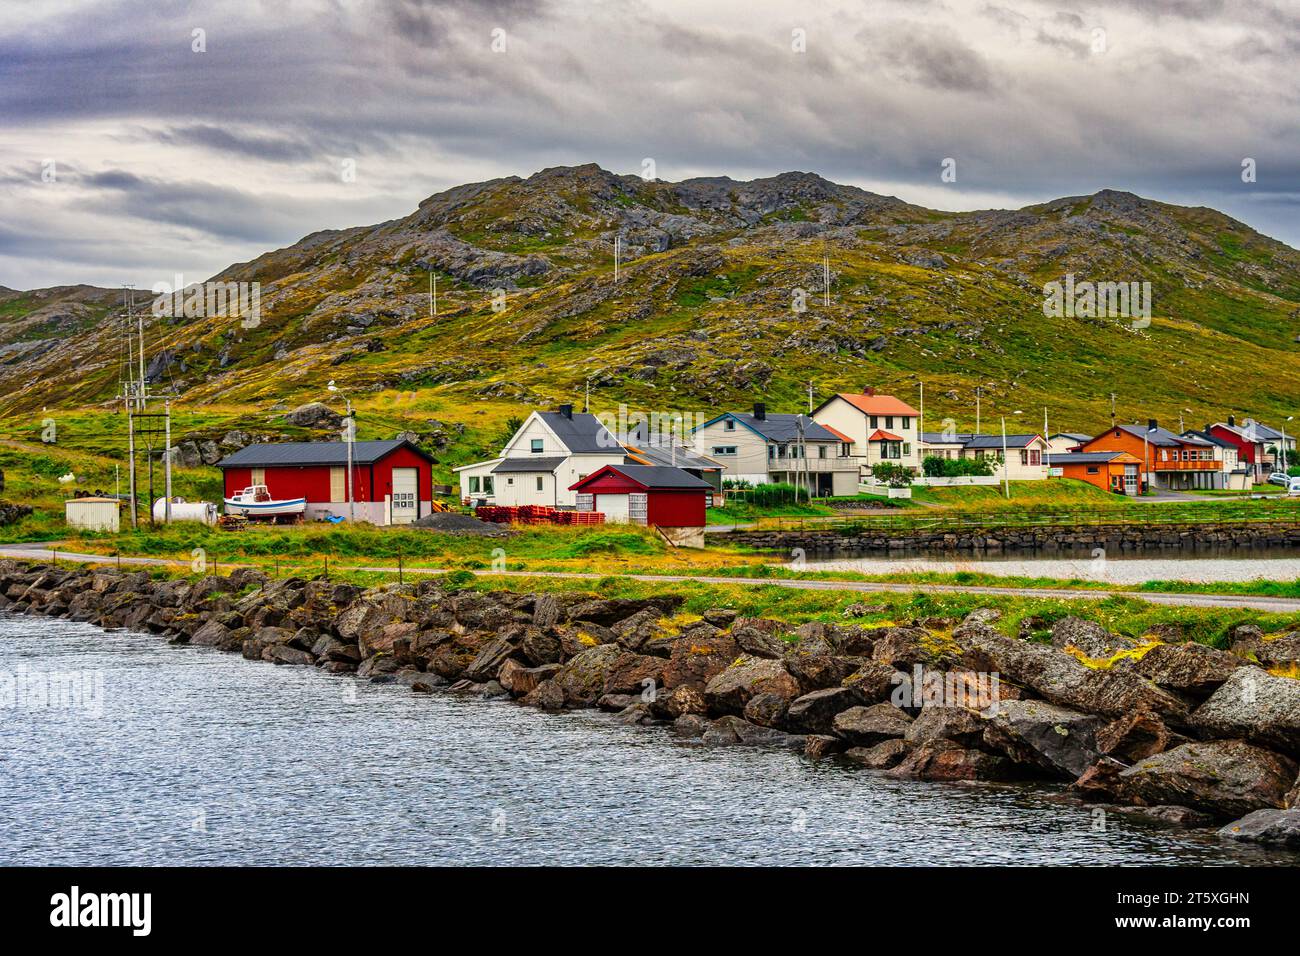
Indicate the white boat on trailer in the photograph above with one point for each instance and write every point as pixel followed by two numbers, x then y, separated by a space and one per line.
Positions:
pixel 255 501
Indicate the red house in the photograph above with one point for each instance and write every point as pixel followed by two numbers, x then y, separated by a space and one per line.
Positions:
pixel 659 496
pixel 392 481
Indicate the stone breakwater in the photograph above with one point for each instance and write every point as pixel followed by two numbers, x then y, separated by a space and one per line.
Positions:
pixel 1172 731
pixel 1113 538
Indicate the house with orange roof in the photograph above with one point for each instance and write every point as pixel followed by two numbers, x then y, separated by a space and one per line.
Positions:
pixel 878 427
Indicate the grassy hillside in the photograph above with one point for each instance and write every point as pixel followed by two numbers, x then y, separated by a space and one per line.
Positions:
pixel 703 316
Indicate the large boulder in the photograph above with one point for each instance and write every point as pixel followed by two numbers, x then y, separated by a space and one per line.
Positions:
pixel 874 680
pixel 1136 736
pixel 868 726
pixel 1279 828
pixel 759 637
pixel 610 611
pixel 729 691
pixel 732 730
pixel 1055 739
pixel 907 646
pixel 881 756
pixel 314 415
pixel 938 722
pixel 1255 705
pixel 1063 680
pixel 815 713
pixel 1228 778
pixel 767 710
pixel 695 662
pixel 1189 667
pixel 581 681
pixel 1090 639
pixel 948 760
pixel 635 674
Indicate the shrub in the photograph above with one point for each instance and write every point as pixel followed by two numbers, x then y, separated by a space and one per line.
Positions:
pixel 935 467
pixel 895 476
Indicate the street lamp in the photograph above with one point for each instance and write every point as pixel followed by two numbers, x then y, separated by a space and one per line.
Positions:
pixel 349 434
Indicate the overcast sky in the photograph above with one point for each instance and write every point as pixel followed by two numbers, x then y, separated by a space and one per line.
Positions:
pixel 132 148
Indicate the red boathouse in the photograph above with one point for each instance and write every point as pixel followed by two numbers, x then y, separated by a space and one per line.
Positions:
pixel 659 496
pixel 392 481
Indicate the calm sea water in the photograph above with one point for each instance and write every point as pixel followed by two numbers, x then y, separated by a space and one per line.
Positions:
pixel 191 756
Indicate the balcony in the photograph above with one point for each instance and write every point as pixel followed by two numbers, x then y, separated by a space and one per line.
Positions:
pixel 813 465
pixel 1198 465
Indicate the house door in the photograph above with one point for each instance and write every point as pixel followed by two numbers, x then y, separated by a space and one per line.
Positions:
pixel 638 508
pixel 405 506
pixel 1131 480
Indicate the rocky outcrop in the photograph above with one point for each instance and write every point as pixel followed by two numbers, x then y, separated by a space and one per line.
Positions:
pixel 1280 828
pixel 1228 778
pixel 898 699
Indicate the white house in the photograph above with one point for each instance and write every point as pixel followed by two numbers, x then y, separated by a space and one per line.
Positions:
pixel 549 453
pixel 1063 443
pixel 766 447
pixel 1025 454
pixel 879 428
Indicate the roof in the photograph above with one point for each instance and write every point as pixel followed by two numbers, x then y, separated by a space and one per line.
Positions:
pixel 1160 436
pixel 881 435
pixel 650 477
pixel 529 466
pixel 1075 436
pixel 581 434
pixel 837 433
pixel 1088 457
pixel 873 404
pixel 1262 431
pixel 778 427
pixel 297 453
pixel 982 440
pixel 1210 437
pixel 681 457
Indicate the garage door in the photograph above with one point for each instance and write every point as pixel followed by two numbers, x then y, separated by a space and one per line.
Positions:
pixel 405 495
pixel 614 507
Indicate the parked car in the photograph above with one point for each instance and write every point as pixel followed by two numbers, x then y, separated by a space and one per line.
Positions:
pixel 1293 488
pixel 1280 478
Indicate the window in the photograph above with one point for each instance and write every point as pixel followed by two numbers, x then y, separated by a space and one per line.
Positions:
pixel 537 446
pixel 724 449
pixel 1024 456
pixel 1094 470
pixel 845 449
pixel 771 452
pixel 1035 457
pixel 907 449
pixel 821 451
pixel 540 482
pixel 875 422
pixel 889 421
pixel 729 425
pixel 489 485
pixel 473 486
pixel 906 422
pixel 510 481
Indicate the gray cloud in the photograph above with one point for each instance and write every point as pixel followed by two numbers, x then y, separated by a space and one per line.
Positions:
pixel 201 159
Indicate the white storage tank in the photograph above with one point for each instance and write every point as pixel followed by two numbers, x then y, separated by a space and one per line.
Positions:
pixel 93 514
pixel 183 510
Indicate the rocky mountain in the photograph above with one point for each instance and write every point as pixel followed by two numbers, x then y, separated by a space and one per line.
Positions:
pixel 721 297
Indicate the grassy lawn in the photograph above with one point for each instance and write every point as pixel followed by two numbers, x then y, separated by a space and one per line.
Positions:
pixel 1053 491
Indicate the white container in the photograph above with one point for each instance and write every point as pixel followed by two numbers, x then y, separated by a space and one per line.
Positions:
pixel 93 514
pixel 182 510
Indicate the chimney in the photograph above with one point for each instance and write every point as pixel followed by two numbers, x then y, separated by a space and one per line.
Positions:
pixel 566 411
pixel 1232 421
pixel 760 411
pixel 868 391
pixel 1207 428
pixel 1152 424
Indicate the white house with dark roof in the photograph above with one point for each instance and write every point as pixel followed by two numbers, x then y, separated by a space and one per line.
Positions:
pixel 1026 454
pixel 759 447
pixel 543 459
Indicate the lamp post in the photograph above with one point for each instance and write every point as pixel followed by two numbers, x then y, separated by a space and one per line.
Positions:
pixel 349 434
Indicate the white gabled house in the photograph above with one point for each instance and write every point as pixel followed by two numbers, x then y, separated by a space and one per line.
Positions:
pixel 550 452
pixel 880 428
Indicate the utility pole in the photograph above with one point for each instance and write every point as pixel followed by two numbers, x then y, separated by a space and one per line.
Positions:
pixel 586 399
pixel 350 434
pixel 810 399
pixel 1046 440
pixel 826 281
pixel 433 294
pixel 1006 477
pixel 1146 465
pixel 920 433
pixel 167 461
pixel 978 392
pixel 618 243
pixel 1112 409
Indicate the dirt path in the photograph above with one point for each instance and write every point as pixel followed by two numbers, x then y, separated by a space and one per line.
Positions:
pixel 1274 605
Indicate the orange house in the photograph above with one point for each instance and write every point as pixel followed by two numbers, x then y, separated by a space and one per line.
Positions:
pixel 1115 471
pixel 1165 458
